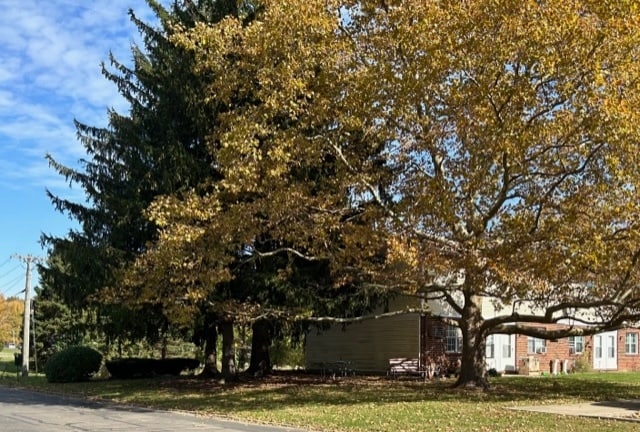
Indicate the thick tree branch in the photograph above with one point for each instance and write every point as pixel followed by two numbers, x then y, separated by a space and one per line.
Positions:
pixel 452 302
pixel 559 333
pixel 257 254
pixel 512 323
pixel 502 195
pixel 289 316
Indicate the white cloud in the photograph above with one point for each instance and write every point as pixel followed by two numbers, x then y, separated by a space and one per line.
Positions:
pixel 50 55
pixel 50 74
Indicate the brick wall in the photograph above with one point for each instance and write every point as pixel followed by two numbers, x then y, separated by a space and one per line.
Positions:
pixel 559 349
pixel 433 341
pixel 433 348
pixel 628 361
pixel 555 349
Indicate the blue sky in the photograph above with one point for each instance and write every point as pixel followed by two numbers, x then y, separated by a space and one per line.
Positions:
pixel 50 55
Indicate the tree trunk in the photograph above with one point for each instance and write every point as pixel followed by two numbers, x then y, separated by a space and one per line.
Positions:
pixel 260 363
pixel 473 371
pixel 228 351
pixel 210 352
pixel 163 350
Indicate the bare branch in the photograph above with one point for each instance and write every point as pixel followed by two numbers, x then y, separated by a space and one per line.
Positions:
pixel 502 194
pixel 452 302
pixel 512 323
pixel 562 177
pixel 336 320
pixel 554 334
pixel 454 246
pixel 257 254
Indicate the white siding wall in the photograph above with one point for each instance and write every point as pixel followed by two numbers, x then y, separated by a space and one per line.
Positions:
pixel 369 344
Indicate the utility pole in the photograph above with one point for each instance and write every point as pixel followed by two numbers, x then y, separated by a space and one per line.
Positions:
pixel 28 260
pixel 35 343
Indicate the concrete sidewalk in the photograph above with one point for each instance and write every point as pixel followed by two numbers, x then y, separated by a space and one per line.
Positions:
pixel 626 410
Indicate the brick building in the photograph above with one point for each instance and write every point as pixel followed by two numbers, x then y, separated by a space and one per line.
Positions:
pixel 367 346
pixel 613 350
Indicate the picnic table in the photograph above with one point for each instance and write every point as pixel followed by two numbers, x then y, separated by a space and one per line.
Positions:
pixel 337 368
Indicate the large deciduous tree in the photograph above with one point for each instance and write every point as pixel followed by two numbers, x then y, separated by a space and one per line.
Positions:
pixel 158 148
pixel 488 150
pixel 235 263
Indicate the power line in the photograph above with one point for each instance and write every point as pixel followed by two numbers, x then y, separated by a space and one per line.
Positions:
pixel 11 271
pixel 10 285
pixel 5 263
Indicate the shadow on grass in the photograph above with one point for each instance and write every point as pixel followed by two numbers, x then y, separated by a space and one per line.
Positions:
pixel 299 391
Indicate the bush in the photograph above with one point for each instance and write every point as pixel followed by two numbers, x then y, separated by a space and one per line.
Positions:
pixel 73 364
pixel 175 366
pixel 145 367
pixel 582 364
pixel 285 353
pixel 493 373
pixel 130 368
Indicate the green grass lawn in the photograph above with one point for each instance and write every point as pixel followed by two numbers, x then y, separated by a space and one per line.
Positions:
pixel 372 403
pixel 7 354
pixel 7 366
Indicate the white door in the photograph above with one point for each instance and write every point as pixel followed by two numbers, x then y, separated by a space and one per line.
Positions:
pixel 605 351
pixel 500 353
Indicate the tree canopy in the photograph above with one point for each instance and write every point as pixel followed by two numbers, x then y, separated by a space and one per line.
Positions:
pixel 11 314
pixel 474 149
pixel 160 148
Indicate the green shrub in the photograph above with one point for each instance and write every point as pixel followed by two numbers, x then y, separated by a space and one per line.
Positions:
pixel 285 353
pixel 493 373
pixel 145 367
pixel 73 364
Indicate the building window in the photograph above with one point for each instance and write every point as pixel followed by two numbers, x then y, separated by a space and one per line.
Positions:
pixel 536 345
pixel 576 344
pixel 437 332
pixel 611 349
pixel 506 348
pixel 454 340
pixel 631 343
pixel 490 347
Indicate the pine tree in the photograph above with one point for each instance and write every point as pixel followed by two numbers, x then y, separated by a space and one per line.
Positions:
pixel 156 148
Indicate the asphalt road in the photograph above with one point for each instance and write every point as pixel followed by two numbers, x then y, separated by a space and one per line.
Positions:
pixel 26 411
